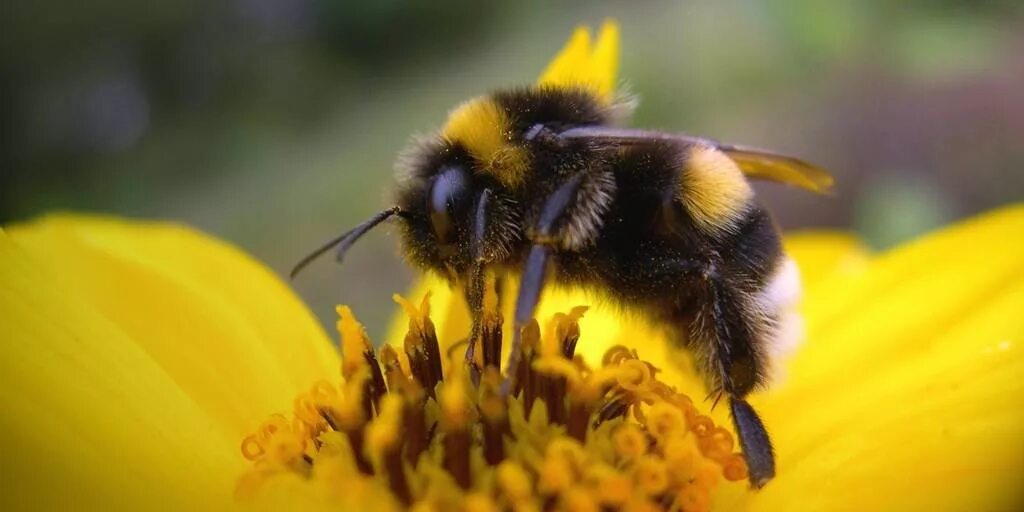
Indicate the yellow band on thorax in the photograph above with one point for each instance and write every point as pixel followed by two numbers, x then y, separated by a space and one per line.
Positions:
pixel 484 130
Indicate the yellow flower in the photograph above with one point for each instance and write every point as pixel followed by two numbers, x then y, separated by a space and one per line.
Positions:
pixel 146 366
pixel 138 357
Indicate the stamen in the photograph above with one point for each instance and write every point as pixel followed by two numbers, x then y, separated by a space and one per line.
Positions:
pixel 383 438
pixel 455 425
pixel 651 475
pixel 608 437
pixel 556 475
pixel 252 449
pixel 490 330
pixel 397 379
pixel 665 421
pixel 493 408
pixel 479 502
pixel 578 499
pixel 354 342
pixel 527 381
pixel 514 482
pixel 421 345
pixel 629 442
pixel 614 489
pixel 350 414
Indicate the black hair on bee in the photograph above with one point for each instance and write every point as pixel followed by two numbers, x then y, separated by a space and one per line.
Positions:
pixel 537 181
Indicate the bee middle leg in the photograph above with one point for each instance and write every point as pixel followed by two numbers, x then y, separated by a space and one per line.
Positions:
pixel 581 197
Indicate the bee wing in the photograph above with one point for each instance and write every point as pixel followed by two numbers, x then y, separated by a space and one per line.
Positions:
pixel 769 165
pixel 754 162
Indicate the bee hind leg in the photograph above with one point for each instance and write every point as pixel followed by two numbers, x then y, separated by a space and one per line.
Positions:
pixel 729 330
pixel 754 440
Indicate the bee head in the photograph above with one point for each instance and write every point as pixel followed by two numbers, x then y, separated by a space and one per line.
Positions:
pixel 435 188
pixel 454 213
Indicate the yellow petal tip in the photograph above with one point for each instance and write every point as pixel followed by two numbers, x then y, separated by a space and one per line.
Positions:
pixel 585 64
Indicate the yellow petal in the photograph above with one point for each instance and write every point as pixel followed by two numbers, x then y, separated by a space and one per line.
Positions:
pixel 580 64
pixel 902 300
pixel 940 430
pixel 909 384
pixel 823 256
pixel 604 61
pixel 136 357
pixel 573 58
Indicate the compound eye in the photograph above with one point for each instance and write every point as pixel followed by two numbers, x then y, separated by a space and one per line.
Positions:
pixel 446 194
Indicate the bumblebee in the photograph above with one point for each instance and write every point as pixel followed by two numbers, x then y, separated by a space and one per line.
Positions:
pixel 539 182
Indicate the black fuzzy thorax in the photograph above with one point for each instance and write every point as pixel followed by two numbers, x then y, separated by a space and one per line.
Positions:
pixel 557 108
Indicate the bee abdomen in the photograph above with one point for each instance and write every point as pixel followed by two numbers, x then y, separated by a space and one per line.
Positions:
pixel 712 189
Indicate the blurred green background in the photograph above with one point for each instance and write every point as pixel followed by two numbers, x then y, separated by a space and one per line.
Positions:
pixel 274 123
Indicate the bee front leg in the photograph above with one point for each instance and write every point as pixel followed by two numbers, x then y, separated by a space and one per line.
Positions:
pixel 482 250
pixel 728 332
pixel 474 292
pixel 482 281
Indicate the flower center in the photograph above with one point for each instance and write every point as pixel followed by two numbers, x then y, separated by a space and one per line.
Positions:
pixel 400 432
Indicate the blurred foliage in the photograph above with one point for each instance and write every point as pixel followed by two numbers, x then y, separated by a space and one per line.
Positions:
pixel 273 123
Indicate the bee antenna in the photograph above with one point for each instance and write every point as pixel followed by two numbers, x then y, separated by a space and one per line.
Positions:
pixel 346 240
